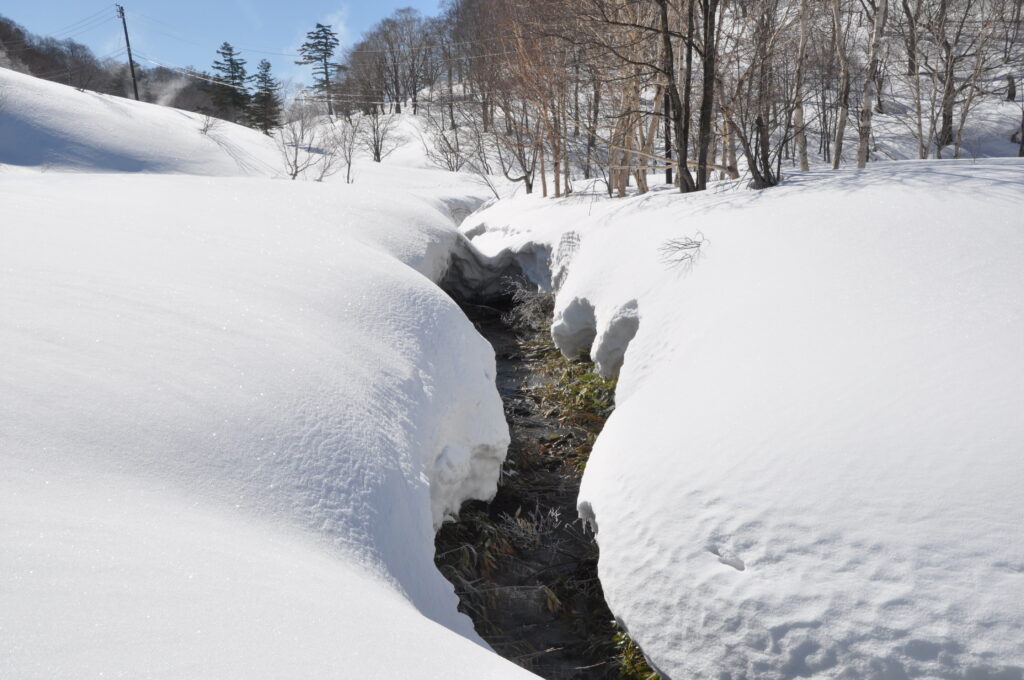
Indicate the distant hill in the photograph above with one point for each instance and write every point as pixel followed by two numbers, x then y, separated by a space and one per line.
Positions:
pixel 47 124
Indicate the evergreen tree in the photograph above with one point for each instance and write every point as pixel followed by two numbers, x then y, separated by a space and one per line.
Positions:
pixel 230 94
pixel 266 105
pixel 318 50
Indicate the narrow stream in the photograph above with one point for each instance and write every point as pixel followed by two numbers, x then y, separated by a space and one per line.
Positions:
pixel 523 566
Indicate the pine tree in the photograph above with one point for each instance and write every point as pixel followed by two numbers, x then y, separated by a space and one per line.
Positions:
pixel 319 49
pixel 266 105
pixel 230 94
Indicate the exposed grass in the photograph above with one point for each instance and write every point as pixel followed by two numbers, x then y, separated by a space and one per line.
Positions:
pixel 526 547
pixel 632 663
pixel 572 393
pixel 579 397
pixel 479 545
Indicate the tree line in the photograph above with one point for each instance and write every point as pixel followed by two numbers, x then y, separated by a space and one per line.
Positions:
pixel 552 90
pixel 226 91
pixel 74 64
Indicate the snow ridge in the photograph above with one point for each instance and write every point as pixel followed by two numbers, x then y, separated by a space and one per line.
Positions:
pixel 815 448
pixel 233 410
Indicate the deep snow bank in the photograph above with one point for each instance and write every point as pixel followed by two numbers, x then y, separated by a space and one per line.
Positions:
pixel 814 467
pixel 231 413
pixel 58 127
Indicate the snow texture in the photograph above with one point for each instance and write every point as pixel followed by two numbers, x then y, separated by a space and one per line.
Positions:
pixel 232 410
pixel 48 125
pixel 814 467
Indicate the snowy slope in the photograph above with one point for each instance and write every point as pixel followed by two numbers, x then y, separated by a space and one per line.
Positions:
pixel 208 424
pixel 814 467
pixel 232 412
pixel 58 127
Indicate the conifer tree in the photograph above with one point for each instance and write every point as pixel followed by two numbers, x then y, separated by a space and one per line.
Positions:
pixel 230 94
pixel 266 105
pixel 319 50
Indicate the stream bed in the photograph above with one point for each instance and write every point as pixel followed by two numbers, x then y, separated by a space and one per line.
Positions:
pixel 523 565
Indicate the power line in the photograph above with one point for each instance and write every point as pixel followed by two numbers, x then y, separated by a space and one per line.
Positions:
pixel 60 37
pixel 68 28
pixel 177 35
pixel 436 59
pixel 86 24
pixel 190 73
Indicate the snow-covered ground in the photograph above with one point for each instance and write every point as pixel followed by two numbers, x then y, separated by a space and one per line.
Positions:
pixel 989 129
pixel 815 465
pixel 232 410
pixel 55 127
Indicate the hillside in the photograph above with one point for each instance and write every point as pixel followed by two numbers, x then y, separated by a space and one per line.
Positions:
pixel 221 459
pixel 48 125
pixel 235 408
pixel 815 450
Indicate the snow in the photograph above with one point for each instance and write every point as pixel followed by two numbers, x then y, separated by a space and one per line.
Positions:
pixel 814 466
pixel 57 127
pixel 233 410
pixel 988 131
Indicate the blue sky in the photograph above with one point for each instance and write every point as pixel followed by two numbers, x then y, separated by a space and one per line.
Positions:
pixel 188 32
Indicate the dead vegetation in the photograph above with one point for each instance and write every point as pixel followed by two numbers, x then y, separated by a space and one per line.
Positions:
pixel 523 566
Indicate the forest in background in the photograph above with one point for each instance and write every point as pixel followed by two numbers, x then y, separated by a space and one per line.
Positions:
pixel 64 60
pixel 618 88
pixel 548 91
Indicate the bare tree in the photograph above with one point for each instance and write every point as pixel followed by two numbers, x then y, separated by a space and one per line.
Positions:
pixel 798 97
pixel 842 52
pixel 378 133
pixel 870 79
pixel 622 89
pixel 346 141
pixel 305 141
pixel 337 142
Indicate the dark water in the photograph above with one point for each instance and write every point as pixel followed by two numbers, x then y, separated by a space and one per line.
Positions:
pixel 524 568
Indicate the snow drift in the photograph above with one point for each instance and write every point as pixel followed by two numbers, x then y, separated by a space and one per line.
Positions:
pixel 814 467
pixel 57 127
pixel 232 411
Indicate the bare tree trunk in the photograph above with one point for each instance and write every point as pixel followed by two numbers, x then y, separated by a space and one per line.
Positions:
pixel 730 153
pixel 595 112
pixel 764 151
pixel 566 165
pixel 945 133
pixel 543 172
pixel 798 109
pixel 945 136
pixel 844 84
pixel 680 107
pixel 668 140
pixel 867 100
pixel 914 73
pixel 912 67
pixel 1020 147
pixel 922 143
pixel 707 102
pixel 576 98
pixel 556 152
pixel 646 141
pixel 451 93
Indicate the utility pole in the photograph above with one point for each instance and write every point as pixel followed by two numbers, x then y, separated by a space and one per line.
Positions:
pixel 128 44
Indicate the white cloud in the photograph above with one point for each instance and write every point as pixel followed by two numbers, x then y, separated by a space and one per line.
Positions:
pixel 337 20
